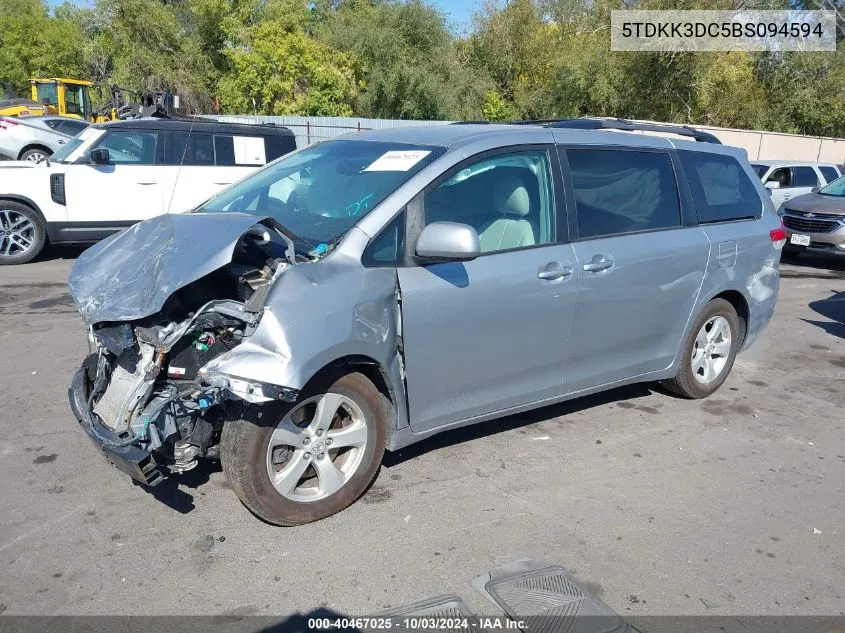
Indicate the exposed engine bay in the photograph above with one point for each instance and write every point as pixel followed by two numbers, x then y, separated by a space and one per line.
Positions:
pixel 146 383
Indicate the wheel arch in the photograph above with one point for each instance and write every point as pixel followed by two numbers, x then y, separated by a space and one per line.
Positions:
pixel 40 146
pixel 379 376
pixel 13 197
pixel 740 304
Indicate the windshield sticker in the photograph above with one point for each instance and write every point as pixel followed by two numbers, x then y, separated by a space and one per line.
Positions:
pixel 397 160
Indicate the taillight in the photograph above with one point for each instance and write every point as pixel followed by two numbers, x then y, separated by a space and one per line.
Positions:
pixel 778 236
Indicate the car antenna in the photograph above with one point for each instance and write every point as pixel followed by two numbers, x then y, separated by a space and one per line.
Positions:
pixel 181 160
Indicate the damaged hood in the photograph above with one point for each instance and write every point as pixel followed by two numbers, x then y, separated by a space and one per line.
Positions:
pixel 131 274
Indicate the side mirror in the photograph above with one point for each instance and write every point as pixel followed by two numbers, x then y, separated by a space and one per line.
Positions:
pixel 99 156
pixel 815 189
pixel 448 242
pixel 772 184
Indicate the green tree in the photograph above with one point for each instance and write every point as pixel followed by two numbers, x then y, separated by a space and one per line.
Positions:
pixel 35 44
pixel 405 59
pixel 279 70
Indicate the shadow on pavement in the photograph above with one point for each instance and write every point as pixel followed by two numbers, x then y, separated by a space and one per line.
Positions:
pixel 832 308
pixel 499 425
pixel 168 492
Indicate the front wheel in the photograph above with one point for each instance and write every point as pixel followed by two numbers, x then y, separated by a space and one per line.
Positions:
pixel 296 463
pixel 709 351
pixel 22 233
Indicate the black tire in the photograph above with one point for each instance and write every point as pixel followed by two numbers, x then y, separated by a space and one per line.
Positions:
pixel 28 154
pixel 685 383
pixel 244 444
pixel 10 212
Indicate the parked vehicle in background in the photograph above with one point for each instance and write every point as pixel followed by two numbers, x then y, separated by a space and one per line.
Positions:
pixel 112 175
pixel 787 179
pixel 816 220
pixel 368 292
pixel 36 138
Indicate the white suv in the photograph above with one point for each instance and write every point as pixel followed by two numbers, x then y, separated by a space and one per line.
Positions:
pixel 113 175
pixel 787 179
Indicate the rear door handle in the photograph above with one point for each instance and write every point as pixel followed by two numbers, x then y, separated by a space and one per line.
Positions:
pixel 222 183
pixel 554 271
pixel 150 182
pixel 598 263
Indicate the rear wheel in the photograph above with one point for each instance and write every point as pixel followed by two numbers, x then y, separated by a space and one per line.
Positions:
pixel 296 463
pixel 22 233
pixel 709 351
pixel 35 155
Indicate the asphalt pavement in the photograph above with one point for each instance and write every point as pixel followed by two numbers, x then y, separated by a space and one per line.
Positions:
pixel 732 505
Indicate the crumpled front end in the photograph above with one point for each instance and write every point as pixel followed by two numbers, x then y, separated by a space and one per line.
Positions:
pixel 162 301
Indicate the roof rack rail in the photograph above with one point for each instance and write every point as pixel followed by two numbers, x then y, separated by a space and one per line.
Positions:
pixel 625 124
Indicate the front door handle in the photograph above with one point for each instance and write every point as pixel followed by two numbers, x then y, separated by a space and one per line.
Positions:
pixel 151 182
pixel 598 263
pixel 554 271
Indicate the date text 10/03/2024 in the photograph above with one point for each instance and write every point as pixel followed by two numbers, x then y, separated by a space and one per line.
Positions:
pixel 421 623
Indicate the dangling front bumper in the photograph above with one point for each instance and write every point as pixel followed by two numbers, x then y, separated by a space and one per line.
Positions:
pixel 139 464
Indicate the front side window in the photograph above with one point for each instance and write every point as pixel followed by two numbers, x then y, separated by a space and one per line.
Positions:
pixel 721 189
pixel 321 192
pixel 130 146
pixel 782 176
pixel 507 199
pixel 836 188
pixel 804 177
pixel 829 173
pixel 623 191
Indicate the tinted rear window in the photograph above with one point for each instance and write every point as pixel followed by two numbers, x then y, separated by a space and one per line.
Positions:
pixel 623 191
pixel 721 189
pixel 804 177
pixel 276 146
pixel 829 173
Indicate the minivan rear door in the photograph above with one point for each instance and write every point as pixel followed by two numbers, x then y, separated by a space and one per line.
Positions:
pixel 640 263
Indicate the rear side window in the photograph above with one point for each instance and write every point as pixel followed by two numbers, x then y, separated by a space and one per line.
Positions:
pixel 829 173
pixel 71 128
pixel 190 149
pixel 275 146
pixel 721 189
pixel 804 177
pixel 623 191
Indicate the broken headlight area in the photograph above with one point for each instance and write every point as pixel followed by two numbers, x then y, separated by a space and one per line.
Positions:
pixel 145 387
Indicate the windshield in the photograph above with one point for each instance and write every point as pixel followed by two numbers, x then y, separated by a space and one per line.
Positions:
pixel 836 188
pixel 321 192
pixel 760 169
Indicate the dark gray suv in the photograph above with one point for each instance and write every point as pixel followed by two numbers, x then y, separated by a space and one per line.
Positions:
pixel 368 292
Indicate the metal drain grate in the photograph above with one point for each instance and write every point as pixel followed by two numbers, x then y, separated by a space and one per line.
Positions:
pixel 430 609
pixel 548 600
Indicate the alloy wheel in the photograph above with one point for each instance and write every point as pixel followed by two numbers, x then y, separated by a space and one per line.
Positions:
pixel 17 233
pixel 711 349
pixel 317 447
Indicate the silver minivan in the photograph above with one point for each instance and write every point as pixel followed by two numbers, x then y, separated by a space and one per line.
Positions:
pixel 368 292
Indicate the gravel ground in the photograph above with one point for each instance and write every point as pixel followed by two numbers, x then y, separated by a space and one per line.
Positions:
pixel 730 505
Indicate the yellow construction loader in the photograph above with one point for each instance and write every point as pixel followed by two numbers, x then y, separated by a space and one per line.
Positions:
pixel 72 97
